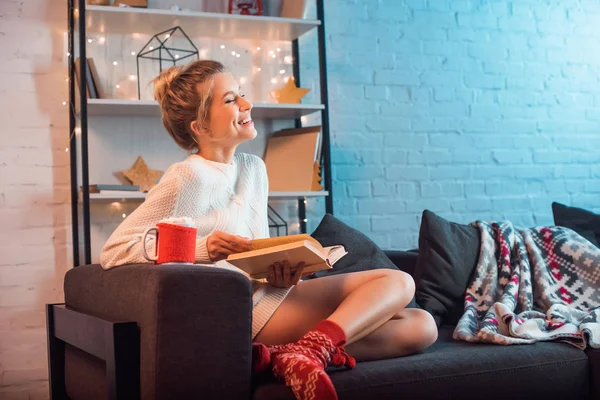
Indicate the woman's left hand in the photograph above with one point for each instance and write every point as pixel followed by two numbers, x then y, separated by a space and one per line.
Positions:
pixel 281 275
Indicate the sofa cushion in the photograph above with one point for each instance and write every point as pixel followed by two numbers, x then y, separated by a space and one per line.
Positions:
pixel 363 253
pixel 448 254
pixel 584 222
pixel 451 369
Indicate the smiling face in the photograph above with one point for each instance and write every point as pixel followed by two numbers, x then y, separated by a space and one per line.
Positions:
pixel 229 117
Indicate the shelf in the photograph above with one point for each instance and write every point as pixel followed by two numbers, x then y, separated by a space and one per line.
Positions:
pixel 150 108
pixel 99 197
pixel 120 20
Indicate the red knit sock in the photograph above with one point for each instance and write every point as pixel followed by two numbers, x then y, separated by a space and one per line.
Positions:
pixel 261 358
pixel 302 364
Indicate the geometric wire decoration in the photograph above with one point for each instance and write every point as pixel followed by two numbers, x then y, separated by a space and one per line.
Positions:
pixel 162 52
pixel 276 221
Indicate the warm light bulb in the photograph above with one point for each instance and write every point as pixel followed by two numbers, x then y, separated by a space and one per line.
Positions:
pixel 101 40
pixel 89 40
pixel 274 56
pixel 286 79
pixel 123 215
pixel 64 103
pixel 132 77
pixel 222 46
pixel 115 63
pixel 287 59
pixel 259 69
pixel 66 149
pixel 68 54
pixel 305 202
pixel 151 48
pixel 168 35
pixel 282 71
pixel 270 51
pixel 278 49
pixel 233 53
pixel 118 86
pixel 305 219
pixel 258 48
pixel 237 55
pixel 133 53
pixel 273 80
pixel 176 56
pixel 243 80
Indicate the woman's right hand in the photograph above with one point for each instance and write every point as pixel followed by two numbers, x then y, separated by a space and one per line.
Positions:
pixel 220 245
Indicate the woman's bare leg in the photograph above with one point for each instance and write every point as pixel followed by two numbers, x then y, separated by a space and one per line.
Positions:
pixel 409 331
pixel 360 303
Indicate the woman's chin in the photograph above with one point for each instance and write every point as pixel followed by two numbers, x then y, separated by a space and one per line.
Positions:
pixel 249 134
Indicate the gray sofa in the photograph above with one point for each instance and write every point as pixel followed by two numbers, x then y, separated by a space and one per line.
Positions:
pixel 194 342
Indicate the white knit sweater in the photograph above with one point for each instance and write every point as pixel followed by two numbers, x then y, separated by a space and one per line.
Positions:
pixel 218 197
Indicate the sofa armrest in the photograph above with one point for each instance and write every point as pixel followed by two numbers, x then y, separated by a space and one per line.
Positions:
pixel 404 260
pixel 195 324
pixel 594 363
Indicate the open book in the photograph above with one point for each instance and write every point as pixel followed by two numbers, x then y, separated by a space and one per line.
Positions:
pixel 294 249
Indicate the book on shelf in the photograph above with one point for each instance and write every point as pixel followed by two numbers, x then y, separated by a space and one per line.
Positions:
pixel 102 187
pixel 292 160
pixel 295 249
pixel 91 76
pixel 95 78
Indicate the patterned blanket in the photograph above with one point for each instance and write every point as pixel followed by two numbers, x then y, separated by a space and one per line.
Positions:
pixel 532 285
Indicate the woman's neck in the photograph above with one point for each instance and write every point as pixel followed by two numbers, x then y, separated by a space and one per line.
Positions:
pixel 220 155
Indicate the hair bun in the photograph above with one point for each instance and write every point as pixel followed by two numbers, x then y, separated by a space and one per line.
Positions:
pixel 163 82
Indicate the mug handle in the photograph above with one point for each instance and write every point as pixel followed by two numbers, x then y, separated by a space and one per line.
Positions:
pixel 149 258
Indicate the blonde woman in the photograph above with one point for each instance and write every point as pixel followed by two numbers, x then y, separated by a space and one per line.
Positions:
pixel 298 328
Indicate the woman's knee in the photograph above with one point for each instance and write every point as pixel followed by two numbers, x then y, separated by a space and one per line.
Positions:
pixel 403 285
pixel 425 329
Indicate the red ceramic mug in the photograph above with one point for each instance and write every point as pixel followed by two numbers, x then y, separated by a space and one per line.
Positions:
pixel 175 243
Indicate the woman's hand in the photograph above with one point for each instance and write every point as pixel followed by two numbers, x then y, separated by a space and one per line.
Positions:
pixel 220 244
pixel 280 274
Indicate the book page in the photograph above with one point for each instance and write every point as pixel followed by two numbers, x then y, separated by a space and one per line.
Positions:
pixel 334 253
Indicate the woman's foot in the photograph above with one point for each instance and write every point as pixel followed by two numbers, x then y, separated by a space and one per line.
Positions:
pixel 302 364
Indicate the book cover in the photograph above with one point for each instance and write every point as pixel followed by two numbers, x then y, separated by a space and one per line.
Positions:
pixel 90 82
pixel 310 252
pixel 97 188
pixel 290 159
pixel 96 79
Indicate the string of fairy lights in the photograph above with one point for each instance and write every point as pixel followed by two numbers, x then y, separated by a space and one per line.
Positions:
pixel 276 54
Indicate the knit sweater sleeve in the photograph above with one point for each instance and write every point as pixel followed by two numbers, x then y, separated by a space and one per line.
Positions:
pixel 264 187
pixel 125 244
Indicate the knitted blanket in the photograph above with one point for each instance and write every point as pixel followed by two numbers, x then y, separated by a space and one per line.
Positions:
pixel 532 285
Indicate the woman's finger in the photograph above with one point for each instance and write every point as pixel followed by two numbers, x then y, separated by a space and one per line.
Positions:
pixel 238 242
pixel 278 274
pixel 298 273
pixel 271 275
pixel 223 244
pixel 287 274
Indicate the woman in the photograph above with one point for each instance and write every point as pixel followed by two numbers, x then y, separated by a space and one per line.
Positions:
pixel 298 329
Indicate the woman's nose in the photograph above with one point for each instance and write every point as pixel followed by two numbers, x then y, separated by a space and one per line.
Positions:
pixel 245 104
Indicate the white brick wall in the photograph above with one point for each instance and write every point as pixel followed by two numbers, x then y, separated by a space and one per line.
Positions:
pixel 34 187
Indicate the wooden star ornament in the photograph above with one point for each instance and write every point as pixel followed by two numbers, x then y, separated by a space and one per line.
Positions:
pixel 290 93
pixel 141 175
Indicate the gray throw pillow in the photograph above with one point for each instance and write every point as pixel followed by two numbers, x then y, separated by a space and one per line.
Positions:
pixel 363 253
pixel 448 254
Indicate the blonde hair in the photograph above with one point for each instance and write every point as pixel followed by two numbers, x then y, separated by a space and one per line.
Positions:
pixel 183 96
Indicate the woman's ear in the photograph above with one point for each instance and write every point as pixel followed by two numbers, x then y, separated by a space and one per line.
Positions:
pixel 195 127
